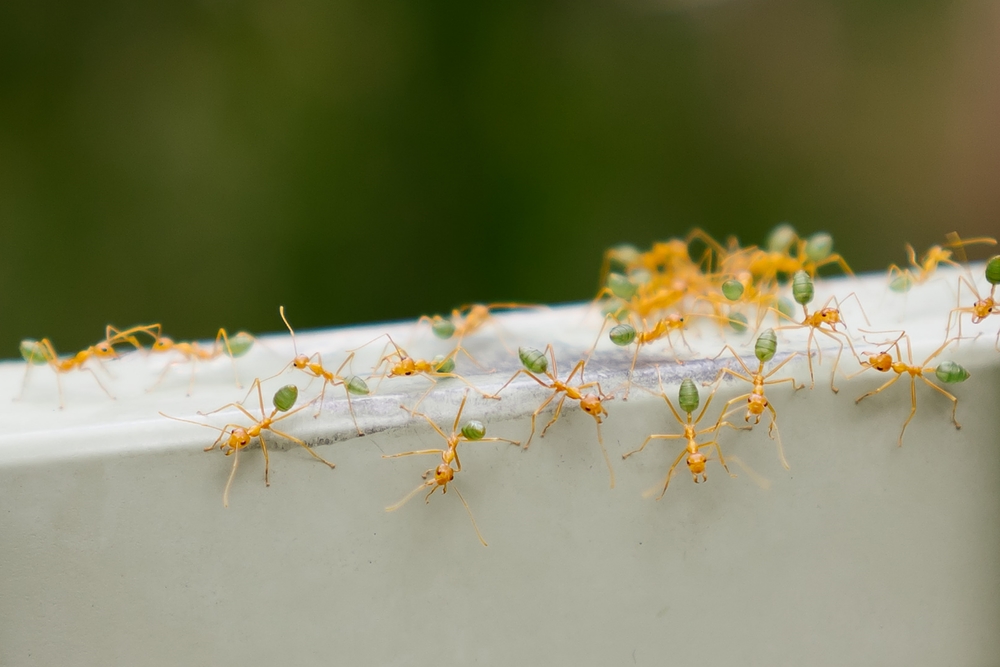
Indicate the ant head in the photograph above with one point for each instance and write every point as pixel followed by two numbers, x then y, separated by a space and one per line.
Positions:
pixel 300 361
pixel 981 310
pixel 405 367
pixel 162 344
pixel 444 474
pixel 937 254
pixel 105 350
pixel 756 404
pixel 696 463
pixel 830 315
pixel 591 404
pixel 881 361
pixel 238 439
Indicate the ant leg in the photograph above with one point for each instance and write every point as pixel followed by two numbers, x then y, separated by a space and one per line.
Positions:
pixel 62 400
pixel 683 340
pixel 726 412
pixel 778 367
pixel 229 353
pixel 875 391
pixel 322 395
pixel 718 450
pixel 350 407
pixel 774 428
pixel 578 368
pixel 631 371
pixel 913 408
pixel 231 405
pixel 232 474
pixel 809 358
pixel 469 510
pixel 429 421
pixel 725 370
pixel 418 452
pixel 600 333
pixel 460 348
pixel 469 384
pixel 409 496
pixel 267 459
pixel 670 474
pixel 835 258
pixel 646 442
pixel 518 372
pixel 458 415
pixel 303 445
pixel 24 382
pixel 555 417
pixel 508 440
pixel 534 415
pixel 98 381
pixel 836 360
pixel 420 400
pixel 952 398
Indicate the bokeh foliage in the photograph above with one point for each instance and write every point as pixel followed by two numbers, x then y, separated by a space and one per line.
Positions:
pixel 200 163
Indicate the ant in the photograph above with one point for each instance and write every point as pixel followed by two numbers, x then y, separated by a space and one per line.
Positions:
pixel 444 474
pixel 788 253
pixel 625 334
pixel 536 362
pixel 947 371
pixel 764 349
pixel 687 399
pixel 235 346
pixel 901 280
pixel 238 437
pixel 802 291
pixel 983 307
pixel 439 367
pixel 38 352
pixel 313 366
pixel 468 319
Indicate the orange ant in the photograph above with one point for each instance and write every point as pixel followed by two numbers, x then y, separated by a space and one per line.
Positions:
pixel 788 253
pixel 947 372
pixel 536 362
pixel 901 280
pixel 440 367
pixel 802 291
pixel 983 307
pixel 625 334
pixel 687 398
pixel 444 474
pixel 37 352
pixel 467 319
pixel 193 352
pixel 238 437
pixel 764 349
pixel 313 366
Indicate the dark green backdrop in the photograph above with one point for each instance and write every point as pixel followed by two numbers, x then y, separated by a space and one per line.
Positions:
pixel 200 163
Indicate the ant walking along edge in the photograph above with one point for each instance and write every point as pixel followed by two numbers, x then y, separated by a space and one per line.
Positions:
pixel 534 362
pixel 313 366
pixel 444 473
pixel 235 437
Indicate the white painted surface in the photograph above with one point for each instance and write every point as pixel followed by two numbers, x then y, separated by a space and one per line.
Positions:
pixel 116 548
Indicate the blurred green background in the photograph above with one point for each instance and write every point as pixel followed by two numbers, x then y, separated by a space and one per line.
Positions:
pixel 200 163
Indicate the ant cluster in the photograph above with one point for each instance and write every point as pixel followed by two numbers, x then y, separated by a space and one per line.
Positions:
pixel 645 297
